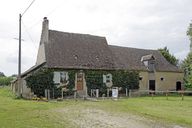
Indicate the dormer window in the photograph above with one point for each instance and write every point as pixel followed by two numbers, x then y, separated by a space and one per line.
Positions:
pixel 149 62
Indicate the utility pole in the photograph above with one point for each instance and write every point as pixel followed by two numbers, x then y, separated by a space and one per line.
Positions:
pixel 20 85
pixel 19 60
pixel 19 63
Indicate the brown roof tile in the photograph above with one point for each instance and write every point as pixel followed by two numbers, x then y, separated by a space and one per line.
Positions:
pixel 80 51
pixel 130 58
pixel 83 51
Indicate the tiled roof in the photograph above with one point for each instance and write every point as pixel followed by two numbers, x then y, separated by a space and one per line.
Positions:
pixel 83 51
pixel 79 51
pixel 130 58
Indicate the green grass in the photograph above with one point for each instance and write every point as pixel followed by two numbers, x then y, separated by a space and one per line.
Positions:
pixel 21 113
pixel 174 110
pixel 18 113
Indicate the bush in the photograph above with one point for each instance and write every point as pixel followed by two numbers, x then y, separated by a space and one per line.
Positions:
pixel 4 81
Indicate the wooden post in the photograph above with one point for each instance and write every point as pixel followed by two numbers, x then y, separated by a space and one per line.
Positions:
pixel 126 92
pixel 62 93
pixel 53 94
pixel 97 93
pixel 48 91
pixel 108 92
pixel 152 94
pixel 46 94
pixel 129 93
pixel 182 95
pixel 75 94
pixel 167 95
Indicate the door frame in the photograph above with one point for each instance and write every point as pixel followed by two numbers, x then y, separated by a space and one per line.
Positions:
pixel 152 84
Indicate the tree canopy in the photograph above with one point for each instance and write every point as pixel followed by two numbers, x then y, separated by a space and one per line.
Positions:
pixel 168 56
pixel 4 81
pixel 2 74
pixel 189 33
pixel 187 63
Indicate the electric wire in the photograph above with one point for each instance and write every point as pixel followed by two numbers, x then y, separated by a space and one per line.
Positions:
pixel 28 8
pixel 29 35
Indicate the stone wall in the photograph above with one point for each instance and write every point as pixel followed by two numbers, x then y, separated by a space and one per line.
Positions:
pixel 163 80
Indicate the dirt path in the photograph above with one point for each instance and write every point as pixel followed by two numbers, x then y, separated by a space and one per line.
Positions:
pixel 96 118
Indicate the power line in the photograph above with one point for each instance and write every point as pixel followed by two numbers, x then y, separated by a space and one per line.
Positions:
pixel 46 15
pixel 26 30
pixel 28 7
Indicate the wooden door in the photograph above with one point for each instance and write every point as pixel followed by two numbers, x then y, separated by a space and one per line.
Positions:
pixel 79 81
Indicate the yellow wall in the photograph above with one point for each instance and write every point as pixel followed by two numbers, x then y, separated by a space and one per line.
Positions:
pixel 169 82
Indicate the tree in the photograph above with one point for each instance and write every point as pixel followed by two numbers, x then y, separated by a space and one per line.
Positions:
pixel 189 33
pixel 187 63
pixel 14 75
pixel 2 74
pixel 168 56
pixel 4 81
pixel 187 67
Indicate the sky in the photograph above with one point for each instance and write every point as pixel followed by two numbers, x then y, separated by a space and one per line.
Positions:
pixel 146 24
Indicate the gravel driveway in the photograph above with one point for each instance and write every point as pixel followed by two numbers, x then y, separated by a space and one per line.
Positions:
pixel 97 118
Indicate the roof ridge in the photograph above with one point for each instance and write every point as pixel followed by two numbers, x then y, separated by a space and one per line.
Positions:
pixel 132 48
pixel 81 34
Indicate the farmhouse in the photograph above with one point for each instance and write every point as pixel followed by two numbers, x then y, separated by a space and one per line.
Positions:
pixel 62 52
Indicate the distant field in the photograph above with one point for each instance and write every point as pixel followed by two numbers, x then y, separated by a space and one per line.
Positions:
pixel 132 112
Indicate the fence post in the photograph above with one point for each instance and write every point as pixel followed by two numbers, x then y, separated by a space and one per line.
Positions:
pixel 53 94
pixel 182 94
pixel 152 94
pixel 126 92
pixel 107 92
pixel 97 93
pixel 167 95
pixel 130 92
pixel 62 93
pixel 48 91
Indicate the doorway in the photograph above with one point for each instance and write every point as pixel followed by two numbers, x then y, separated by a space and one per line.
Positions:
pixel 178 85
pixel 152 85
pixel 79 81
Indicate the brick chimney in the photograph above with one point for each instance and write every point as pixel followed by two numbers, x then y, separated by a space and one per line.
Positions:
pixel 45 31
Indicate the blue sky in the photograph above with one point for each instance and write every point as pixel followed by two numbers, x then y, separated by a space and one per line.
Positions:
pixel 147 24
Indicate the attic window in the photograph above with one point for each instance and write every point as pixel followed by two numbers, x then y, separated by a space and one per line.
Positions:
pixel 75 56
pixel 162 79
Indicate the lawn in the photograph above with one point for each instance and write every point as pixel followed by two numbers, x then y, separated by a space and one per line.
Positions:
pixel 19 113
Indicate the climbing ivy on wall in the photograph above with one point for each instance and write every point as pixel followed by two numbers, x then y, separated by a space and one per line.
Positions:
pixel 39 81
pixel 121 78
pixel 43 79
pixel 126 79
pixel 94 80
pixel 71 84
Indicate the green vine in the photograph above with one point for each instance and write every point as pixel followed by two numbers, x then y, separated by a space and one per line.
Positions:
pixel 120 78
pixel 39 81
pixel 43 79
